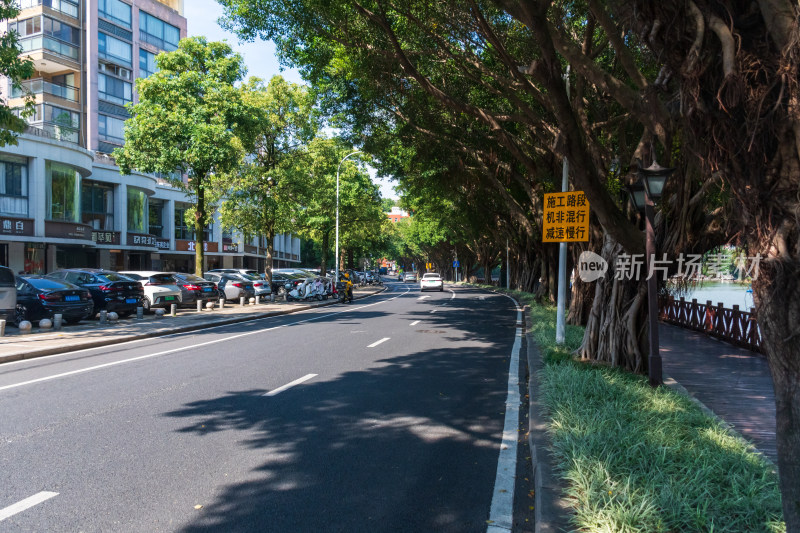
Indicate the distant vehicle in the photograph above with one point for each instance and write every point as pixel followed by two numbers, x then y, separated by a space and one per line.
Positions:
pixel 194 288
pixel 409 276
pixel 247 271
pixel 160 288
pixel 8 294
pixel 383 271
pixel 40 297
pixel 231 286
pixel 110 290
pixel 431 281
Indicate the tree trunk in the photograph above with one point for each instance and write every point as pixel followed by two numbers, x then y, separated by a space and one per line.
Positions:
pixel 616 328
pixel 777 296
pixel 199 226
pixel 268 265
pixel 323 267
pixel 580 305
pixel 350 259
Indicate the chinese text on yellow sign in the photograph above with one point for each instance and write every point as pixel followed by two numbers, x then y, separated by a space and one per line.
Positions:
pixel 566 217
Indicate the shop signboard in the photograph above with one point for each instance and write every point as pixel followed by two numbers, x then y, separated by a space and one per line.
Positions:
pixel 16 226
pixel 189 246
pixel 230 248
pixel 250 249
pixel 105 237
pixel 140 239
pixel 67 230
pixel 162 244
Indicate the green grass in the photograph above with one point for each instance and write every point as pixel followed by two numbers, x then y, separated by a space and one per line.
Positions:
pixel 638 459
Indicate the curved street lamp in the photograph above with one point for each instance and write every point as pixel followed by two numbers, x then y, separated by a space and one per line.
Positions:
pixel 644 194
pixel 336 258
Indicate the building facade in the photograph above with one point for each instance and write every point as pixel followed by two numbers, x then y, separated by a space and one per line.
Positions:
pixel 63 202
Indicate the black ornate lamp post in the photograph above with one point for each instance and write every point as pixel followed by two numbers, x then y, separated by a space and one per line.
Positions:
pixel 644 194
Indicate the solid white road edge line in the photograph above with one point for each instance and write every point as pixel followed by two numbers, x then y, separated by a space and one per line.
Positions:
pixel 501 515
pixel 290 385
pixel 374 344
pixel 414 323
pixel 182 348
pixel 27 503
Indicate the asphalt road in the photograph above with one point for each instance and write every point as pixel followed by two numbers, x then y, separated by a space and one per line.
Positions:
pixel 384 415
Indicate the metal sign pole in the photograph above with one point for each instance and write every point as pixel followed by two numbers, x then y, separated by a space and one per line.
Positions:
pixel 562 253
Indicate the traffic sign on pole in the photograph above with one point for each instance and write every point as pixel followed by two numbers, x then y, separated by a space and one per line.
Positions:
pixel 566 217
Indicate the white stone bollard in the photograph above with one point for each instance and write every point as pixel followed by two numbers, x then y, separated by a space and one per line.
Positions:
pixel 103 316
pixel 45 323
pixel 113 317
pixel 160 313
pixel 222 303
pixel 173 309
pixel 210 306
pixel 199 306
pixel 252 301
pixel 2 328
pixel 258 299
pixel 271 297
pixel 241 301
pixel 58 321
pixel 25 327
pixel 140 313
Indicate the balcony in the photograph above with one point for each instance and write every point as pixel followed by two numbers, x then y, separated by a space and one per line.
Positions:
pixel 53 48
pixel 42 86
pixel 54 131
pixel 67 7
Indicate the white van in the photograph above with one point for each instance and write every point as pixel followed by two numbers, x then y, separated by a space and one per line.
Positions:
pixel 8 294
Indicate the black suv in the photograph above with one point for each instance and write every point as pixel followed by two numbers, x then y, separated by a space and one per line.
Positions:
pixel 109 290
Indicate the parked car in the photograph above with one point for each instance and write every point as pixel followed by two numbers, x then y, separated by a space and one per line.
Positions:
pixel 281 281
pixel 160 289
pixel 231 286
pixel 194 288
pixel 41 297
pixel 248 271
pixel 260 285
pixel 8 294
pixel 110 290
pixel 431 281
pixel 410 276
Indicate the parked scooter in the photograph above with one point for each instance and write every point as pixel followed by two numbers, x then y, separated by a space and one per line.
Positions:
pixel 309 289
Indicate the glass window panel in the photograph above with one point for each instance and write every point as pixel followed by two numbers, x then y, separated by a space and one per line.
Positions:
pixel 137 211
pixel 116 11
pixel 63 192
pixel 113 48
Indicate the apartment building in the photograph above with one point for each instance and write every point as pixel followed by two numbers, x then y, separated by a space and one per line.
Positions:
pixel 63 202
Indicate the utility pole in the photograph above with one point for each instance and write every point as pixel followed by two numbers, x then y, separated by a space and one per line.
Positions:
pixel 562 251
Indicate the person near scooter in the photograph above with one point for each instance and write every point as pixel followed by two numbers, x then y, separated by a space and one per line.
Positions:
pixel 348 288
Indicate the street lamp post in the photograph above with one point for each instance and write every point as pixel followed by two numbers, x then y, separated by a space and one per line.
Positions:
pixel 336 279
pixel 644 194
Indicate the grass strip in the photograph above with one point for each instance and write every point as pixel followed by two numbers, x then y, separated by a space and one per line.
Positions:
pixel 638 459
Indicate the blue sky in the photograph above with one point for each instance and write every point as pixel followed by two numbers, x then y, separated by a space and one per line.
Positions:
pixel 259 56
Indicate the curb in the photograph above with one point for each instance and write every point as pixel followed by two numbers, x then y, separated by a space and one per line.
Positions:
pixel 551 509
pixel 163 333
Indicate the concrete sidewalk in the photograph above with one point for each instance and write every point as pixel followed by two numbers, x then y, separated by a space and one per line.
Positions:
pixel 91 334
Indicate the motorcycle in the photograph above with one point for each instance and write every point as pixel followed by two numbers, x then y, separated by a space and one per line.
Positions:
pixel 309 289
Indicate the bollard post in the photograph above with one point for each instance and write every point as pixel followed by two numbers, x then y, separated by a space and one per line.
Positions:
pixel 103 316
pixel 272 297
pixel 140 313
pixel 173 309
pixel 58 320
pixel 258 299
pixel 199 306
pixel 241 301
pixel 2 328
pixel 222 303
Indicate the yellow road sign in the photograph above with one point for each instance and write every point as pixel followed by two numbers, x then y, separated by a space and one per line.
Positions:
pixel 566 217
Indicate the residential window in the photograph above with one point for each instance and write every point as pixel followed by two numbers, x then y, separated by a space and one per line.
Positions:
pixel 115 11
pixel 137 211
pixel 147 63
pixel 63 192
pixel 114 49
pixel 63 124
pixel 97 205
pixel 51 34
pixel 61 31
pixel 114 90
pixel 68 7
pixel 155 31
pixel 14 187
pixel 111 129
pixel 115 70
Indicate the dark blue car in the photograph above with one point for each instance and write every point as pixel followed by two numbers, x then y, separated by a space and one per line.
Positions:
pixel 40 297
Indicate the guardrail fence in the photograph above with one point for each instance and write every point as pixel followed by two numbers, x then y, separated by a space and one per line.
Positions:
pixel 731 325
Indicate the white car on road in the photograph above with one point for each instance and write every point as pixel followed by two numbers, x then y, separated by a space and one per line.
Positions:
pixel 160 289
pixel 431 281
